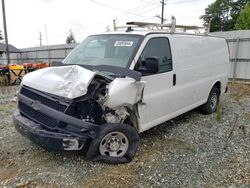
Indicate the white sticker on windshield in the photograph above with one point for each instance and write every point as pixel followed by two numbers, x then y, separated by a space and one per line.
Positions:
pixel 124 43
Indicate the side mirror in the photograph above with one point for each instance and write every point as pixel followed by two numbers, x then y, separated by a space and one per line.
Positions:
pixel 149 66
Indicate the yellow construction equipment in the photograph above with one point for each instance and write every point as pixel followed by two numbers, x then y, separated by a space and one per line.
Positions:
pixel 16 73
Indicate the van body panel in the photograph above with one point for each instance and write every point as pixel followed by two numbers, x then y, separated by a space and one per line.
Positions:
pixel 198 62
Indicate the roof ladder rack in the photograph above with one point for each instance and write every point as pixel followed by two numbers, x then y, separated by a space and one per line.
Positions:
pixel 171 26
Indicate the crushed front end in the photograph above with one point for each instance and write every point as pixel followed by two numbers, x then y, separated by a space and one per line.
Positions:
pixel 66 119
pixel 54 123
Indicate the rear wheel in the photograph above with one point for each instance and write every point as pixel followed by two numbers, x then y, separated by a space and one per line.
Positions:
pixel 213 100
pixel 114 144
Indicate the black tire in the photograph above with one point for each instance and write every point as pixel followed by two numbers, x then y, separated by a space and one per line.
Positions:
pixel 213 100
pixel 129 136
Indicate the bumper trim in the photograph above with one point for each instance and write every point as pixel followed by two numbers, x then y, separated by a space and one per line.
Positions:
pixel 51 141
pixel 75 126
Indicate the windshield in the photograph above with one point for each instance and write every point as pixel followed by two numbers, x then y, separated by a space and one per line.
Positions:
pixel 115 50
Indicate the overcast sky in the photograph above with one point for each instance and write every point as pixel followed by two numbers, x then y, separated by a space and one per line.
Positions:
pixel 25 18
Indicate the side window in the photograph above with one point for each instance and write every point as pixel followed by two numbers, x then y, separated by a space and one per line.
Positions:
pixel 159 47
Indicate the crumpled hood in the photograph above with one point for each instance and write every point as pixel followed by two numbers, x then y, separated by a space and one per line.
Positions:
pixel 65 81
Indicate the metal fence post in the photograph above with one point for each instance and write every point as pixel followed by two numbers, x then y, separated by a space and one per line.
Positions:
pixel 17 58
pixel 49 56
pixel 36 54
pixel 235 58
pixel 26 55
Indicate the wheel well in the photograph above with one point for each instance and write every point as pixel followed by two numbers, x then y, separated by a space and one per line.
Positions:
pixel 218 85
pixel 130 122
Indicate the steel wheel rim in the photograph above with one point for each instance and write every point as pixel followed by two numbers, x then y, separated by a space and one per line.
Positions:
pixel 213 102
pixel 114 144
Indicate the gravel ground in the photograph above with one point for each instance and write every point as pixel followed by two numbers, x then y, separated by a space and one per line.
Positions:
pixel 7 94
pixel 193 150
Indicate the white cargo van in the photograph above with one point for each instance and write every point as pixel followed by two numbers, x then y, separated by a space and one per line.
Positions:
pixel 115 85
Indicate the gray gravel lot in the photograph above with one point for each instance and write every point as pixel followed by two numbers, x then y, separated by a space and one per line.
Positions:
pixel 193 150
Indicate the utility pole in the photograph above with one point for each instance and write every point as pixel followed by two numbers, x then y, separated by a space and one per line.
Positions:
pixel 209 25
pixel 114 25
pixel 46 35
pixel 5 33
pixel 162 11
pixel 40 38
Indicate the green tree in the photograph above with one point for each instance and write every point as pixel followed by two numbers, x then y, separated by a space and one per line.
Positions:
pixel 243 20
pixel 70 38
pixel 223 14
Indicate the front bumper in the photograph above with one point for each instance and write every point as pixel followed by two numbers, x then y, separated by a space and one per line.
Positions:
pixel 50 140
pixel 50 128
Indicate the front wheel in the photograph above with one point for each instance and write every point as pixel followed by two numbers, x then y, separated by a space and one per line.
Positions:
pixel 213 100
pixel 114 143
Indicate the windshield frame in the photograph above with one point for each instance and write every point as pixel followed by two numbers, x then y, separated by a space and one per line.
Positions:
pixel 140 39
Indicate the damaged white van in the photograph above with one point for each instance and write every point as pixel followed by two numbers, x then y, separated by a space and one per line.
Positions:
pixel 113 86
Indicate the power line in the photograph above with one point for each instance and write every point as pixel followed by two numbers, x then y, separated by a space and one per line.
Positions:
pixel 189 12
pixel 181 2
pixel 139 10
pixel 147 4
pixel 114 8
pixel 105 5
pixel 144 1
pixel 148 10
pixel 141 6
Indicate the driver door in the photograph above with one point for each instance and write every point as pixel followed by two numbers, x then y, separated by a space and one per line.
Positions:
pixel 160 98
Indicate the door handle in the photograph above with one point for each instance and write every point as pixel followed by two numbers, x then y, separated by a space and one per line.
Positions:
pixel 174 79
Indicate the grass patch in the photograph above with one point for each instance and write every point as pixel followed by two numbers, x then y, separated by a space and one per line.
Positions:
pixel 192 148
pixel 218 114
pixel 8 108
pixel 203 133
pixel 247 116
pixel 239 91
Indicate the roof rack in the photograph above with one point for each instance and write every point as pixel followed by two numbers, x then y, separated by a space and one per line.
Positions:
pixel 171 27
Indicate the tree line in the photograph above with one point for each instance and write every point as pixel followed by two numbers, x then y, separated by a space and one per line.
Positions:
pixel 227 15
